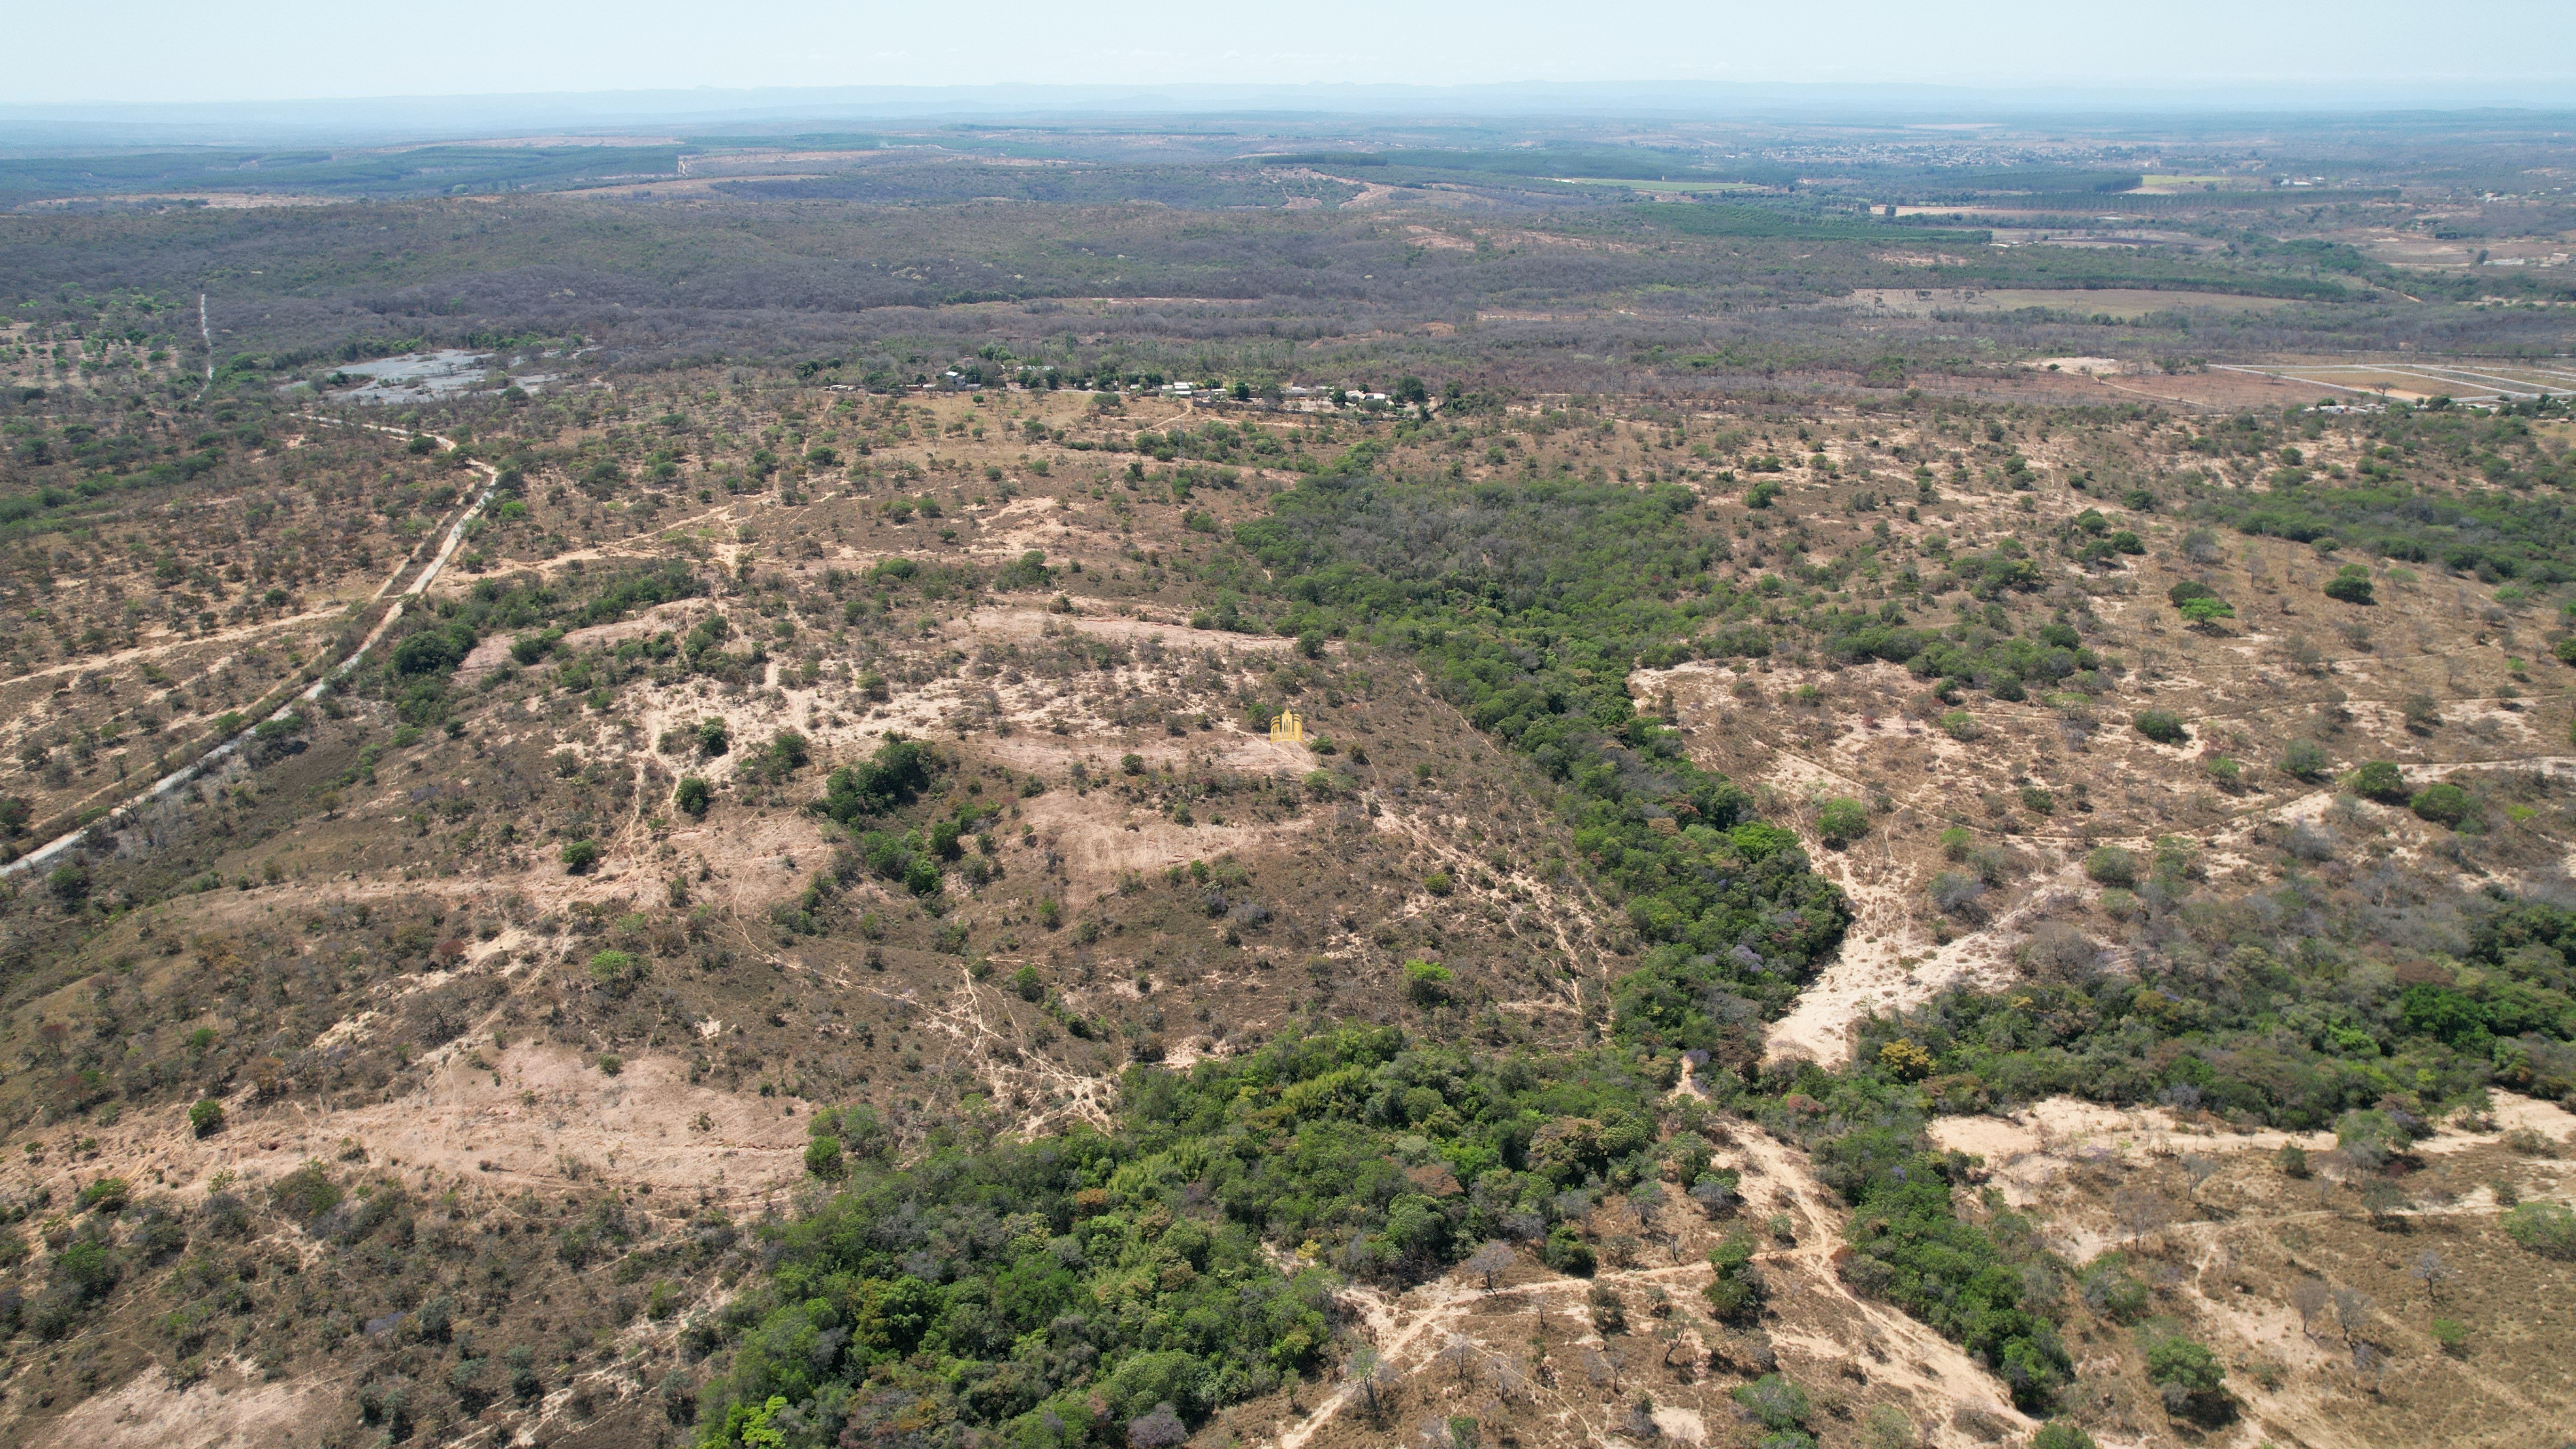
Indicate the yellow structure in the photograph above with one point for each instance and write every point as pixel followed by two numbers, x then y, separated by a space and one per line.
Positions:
pixel 1288 729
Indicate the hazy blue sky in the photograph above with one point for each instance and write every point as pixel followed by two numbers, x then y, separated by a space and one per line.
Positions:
pixel 166 50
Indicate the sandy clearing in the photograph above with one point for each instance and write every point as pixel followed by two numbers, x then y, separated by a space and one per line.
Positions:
pixel 1224 747
pixel 539 1114
pixel 223 1410
pixel 2027 1149
pixel 1025 623
pixel 1098 847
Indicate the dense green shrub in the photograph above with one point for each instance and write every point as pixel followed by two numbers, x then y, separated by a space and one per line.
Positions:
pixel 2442 803
pixel 823 1158
pixel 2305 760
pixel 2190 1377
pixel 1841 822
pixel 1910 1246
pixel 2112 865
pixel 1737 1292
pixel 1775 1403
pixel 306 1193
pixel 2162 726
pixel 693 795
pixel 2110 1289
pixel 2495 533
pixel 1427 982
pixel 1089 1278
pixel 2378 780
pixel 2351 584
pixel 615 972
pixel 2543 1227
pixel 891 778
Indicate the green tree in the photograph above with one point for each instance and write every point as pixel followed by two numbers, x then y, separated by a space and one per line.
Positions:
pixel 714 736
pixel 1775 1402
pixel 2351 584
pixel 1736 1294
pixel 2162 726
pixel 2189 1375
pixel 615 971
pixel 1427 982
pixel 823 1158
pixel 2544 1228
pixel 2442 803
pixel 1842 821
pixel 2305 760
pixel 693 795
pixel 2112 865
pixel 2378 780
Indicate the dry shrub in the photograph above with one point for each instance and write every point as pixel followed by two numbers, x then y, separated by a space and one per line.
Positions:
pixel 2057 951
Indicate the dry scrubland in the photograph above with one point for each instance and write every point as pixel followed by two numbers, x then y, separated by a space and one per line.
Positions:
pixel 517 1045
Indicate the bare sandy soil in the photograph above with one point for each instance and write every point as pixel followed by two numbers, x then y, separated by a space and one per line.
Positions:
pixel 535 1115
pixel 229 1409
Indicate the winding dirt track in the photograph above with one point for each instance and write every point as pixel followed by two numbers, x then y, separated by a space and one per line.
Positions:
pixel 230 747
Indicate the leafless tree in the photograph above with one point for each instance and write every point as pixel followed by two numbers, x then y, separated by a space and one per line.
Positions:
pixel 1159 1429
pixel 1459 1356
pixel 2198 1168
pixel 1602 1367
pixel 2352 1311
pixel 2142 1211
pixel 2310 1296
pixel 1491 1262
pixel 1374 1377
pixel 2429 1270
